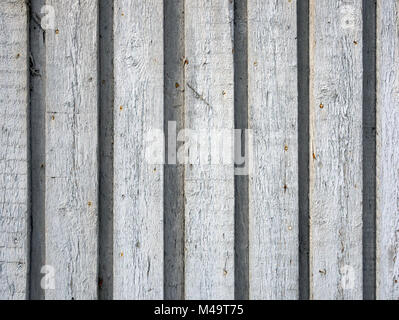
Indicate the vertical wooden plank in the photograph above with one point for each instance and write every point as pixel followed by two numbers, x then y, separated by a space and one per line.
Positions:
pixel 138 184
pixel 174 173
pixel 209 188
pixel 273 184
pixel 71 150
pixel 336 149
pixel 387 149
pixel 14 197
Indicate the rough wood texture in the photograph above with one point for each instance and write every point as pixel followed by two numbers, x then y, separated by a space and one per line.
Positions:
pixel 174 174
pixel 273 184
pixel 209 189
pixel 71 150
pixel 138 184
pixel 336 149
pixel 83 186
pixel 388 149
pixel 14 186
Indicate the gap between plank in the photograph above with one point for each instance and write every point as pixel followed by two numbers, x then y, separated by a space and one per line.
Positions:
pixel 106 151
pixel 303 145
pixel 369 149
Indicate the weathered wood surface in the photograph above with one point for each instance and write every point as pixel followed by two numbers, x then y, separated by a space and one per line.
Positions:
pixel 388 149
pixel 14 166
pixel 71 150
pixel 336 149
pixel 86 200
pixel 138 180
pixel 209 188
pixel 273 183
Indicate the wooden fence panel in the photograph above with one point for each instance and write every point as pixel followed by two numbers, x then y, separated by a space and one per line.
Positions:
pixel 138 178
pixel 14 166
pixel 71 150
pixel 89 90
pixel 336 149
pixel 209 188
pixel 388 149
pixel 273 183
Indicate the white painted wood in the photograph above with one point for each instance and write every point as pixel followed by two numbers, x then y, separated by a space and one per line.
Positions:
pixel 336 149
pixel 14 196
pixel 388 149
pixel 209 189
pixel 273 184
pixel 138 184
pixel 71 150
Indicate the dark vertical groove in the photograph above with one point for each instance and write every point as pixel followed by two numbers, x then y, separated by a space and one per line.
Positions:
pixel 106 150
pixel 241 122
pixel 303 145
pixel 174 50
pixel 37 149
pixel 369 149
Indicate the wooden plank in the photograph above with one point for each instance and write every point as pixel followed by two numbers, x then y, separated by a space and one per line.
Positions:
pixel 71 150
pixel 273 184
pixel 138 184
pixel 387 150
pixel 336 149
pixel 174 173
pixel 209 187
pixel 14 168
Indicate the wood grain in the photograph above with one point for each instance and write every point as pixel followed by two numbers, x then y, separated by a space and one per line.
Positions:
pixel 71 150
pixel 336 149
pixel 273 184
pixel 14 167
pixel 387 150
pixel 209 188
pixel 138 183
